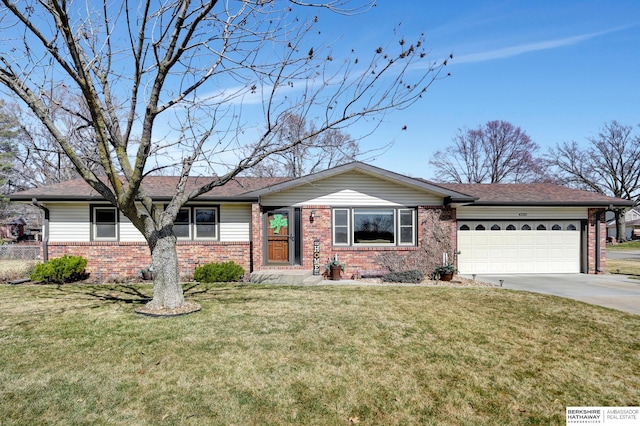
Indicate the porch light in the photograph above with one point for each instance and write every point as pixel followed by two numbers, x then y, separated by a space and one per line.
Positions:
pixel 312 216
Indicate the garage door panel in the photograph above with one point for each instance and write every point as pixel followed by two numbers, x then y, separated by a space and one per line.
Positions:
pixel 519 251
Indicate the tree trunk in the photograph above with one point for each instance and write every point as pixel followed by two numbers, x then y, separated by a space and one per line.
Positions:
pixel 167 291
pixel 620 225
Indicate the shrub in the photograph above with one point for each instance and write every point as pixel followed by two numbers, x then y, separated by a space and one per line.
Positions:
pixel 218 272
pixel 60 270
pixel 413 276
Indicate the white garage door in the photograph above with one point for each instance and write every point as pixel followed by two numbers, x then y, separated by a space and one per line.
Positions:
pixel 519 247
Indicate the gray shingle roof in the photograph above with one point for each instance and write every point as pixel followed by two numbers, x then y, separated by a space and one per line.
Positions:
pixel 158 187
pixel 533 194
pixel 249 188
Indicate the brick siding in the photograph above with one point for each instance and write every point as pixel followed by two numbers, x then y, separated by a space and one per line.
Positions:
pixel 108 260
pixel 356 258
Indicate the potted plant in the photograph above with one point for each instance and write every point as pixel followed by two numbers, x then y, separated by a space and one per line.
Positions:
pixel 444 272
pixel 147 273
pixel 333 269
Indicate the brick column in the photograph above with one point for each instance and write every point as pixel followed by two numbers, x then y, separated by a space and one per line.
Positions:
pixel 257 246
pixel 596 239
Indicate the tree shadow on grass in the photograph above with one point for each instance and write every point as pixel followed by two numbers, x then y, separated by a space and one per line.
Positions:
pixel 118 293
pixel 131 294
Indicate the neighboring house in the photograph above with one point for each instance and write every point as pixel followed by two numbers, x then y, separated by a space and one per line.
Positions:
pixel 12 229
pixel 355 211
pixel 631 224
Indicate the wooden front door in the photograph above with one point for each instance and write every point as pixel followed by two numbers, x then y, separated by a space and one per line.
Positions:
pixel 279 236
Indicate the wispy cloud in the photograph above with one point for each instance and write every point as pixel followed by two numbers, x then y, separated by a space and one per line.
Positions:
pixel 508 52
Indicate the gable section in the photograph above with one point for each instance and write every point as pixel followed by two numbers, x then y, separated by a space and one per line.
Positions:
pixel 353 188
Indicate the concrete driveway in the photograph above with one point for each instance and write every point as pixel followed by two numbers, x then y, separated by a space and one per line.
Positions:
pixel 611 291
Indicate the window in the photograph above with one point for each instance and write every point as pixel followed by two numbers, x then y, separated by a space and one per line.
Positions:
pixel 374 226
pixel 196 223
pixel 407 219
pixel 105 223
pixel 511 227
pixel 181 228
pixel 480 228
pixel 206 220
pixel 556 227
pixel 495 227
pixel 341 227
pixel 526 227
pixel 464 228
pixel 571 227
pixel 541 227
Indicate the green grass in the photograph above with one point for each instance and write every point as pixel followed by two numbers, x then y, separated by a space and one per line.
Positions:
pixel 256 355
pixel 630 245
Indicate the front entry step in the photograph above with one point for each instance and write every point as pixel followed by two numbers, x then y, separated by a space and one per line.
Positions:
pixel 285 277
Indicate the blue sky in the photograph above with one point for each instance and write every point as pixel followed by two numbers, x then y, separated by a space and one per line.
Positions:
pixel 558 69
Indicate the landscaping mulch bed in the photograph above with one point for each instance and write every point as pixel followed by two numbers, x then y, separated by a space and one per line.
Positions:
pixel 186 308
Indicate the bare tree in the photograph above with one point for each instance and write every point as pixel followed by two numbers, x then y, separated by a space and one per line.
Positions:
pixel 609 165
pixel 497 152
pixel 323 151
pixel 178 79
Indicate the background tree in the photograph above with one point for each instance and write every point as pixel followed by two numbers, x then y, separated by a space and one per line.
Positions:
pixel 497 152
pixel 171 85
pixel 8 134
pixel 609 165
pixel 323 151
pixel 38 159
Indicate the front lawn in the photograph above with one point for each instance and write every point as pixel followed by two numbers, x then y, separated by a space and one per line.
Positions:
pixel 254 355
pixel 629 245
pixel 624 266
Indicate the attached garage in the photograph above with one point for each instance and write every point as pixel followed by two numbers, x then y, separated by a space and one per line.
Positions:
pixel 536 228
pixel 519 247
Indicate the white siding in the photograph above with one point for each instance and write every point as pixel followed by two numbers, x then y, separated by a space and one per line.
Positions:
pixel 520 213
pixel 69 222
pixel 235 222
pixel 352 189
pixel 72 223
pixel 128 232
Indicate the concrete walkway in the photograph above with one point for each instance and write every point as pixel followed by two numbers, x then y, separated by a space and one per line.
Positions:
pixel 611 291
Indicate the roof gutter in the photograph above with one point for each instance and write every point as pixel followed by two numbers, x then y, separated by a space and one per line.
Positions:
pixel 603 204
pixel 45 229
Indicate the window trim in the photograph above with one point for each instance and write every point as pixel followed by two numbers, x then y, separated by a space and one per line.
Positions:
pixel 413 228
pixel 216 223
pixel 347 226
pixel 94 223
pixel 397 226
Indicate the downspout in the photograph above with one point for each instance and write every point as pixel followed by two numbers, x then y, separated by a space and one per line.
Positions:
pixel 598 218
pixel 45 229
